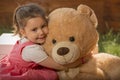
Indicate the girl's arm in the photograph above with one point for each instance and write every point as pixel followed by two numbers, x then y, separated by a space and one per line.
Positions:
pixel 50 63
pixel 36 54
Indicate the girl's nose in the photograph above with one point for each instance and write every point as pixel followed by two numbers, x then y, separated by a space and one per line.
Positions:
pixel 40 31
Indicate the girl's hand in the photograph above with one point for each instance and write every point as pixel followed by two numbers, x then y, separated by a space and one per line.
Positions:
pixel 50 63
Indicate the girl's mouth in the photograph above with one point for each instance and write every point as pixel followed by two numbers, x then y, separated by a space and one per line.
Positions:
pixel 41 38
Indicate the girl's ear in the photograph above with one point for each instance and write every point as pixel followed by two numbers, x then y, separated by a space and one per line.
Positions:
pixel 22 32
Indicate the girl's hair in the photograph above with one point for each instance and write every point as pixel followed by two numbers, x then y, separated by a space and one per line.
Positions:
pixel 25 12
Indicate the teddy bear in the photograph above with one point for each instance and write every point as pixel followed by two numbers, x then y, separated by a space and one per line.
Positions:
pixel 72 41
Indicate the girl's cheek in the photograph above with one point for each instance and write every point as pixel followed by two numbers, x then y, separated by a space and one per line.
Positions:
pixel 46 31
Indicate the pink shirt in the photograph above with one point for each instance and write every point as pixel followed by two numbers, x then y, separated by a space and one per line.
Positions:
pixel 14 65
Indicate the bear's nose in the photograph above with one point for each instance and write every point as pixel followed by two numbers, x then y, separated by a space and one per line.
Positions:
pixel 62 51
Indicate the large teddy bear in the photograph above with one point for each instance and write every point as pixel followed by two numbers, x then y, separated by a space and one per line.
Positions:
pixel 71 42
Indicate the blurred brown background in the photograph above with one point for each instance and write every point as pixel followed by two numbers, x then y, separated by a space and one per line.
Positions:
pixel 107 11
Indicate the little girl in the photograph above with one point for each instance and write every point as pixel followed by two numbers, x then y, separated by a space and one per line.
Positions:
pixel 28 60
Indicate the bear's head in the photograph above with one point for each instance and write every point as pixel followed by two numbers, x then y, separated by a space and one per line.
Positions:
pixel 72 34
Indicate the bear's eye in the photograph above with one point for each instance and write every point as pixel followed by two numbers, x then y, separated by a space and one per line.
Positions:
pixel 53 41
pixel 72 39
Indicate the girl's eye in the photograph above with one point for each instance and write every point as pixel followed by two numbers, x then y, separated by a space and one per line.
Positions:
pixel 45 25
pixel 53 41
pixel 72 39
pixel 35 29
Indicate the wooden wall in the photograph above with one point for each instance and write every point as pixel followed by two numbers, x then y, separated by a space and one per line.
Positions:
pixel 107 11
pixel 111 15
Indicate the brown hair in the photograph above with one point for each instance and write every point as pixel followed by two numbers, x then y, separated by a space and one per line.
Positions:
pixel 25 12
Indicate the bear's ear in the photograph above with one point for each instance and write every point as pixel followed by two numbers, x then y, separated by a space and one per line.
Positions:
pixel 84 9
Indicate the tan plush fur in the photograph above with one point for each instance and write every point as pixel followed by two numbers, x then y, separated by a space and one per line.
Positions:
pixel 72 43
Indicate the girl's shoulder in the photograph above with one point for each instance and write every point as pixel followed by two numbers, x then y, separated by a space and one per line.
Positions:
pixel 34 53
pixel 34 47
pixel 29 46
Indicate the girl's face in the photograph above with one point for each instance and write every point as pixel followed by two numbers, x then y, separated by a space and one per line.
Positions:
pixel 36 30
